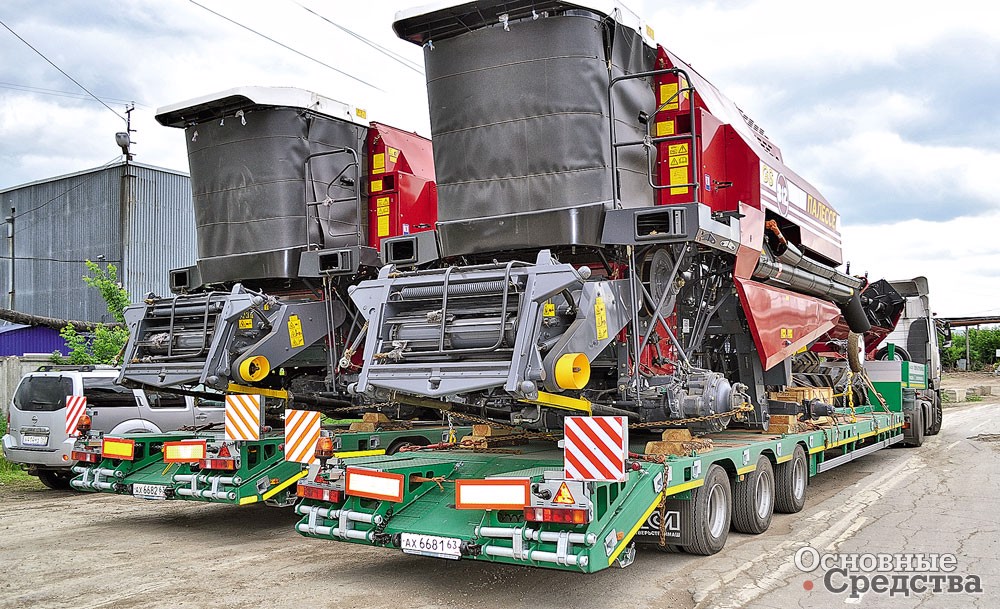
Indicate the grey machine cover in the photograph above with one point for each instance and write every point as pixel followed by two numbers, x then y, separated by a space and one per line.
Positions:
pixel 258 202
pixel 521 125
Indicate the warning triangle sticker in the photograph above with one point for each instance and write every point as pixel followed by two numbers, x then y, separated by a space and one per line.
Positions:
pixel 564 496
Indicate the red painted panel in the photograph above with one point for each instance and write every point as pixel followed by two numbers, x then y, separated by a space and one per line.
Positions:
pixel 783 322
pixel 402 195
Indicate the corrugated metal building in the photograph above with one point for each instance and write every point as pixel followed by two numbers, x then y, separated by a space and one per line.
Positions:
pixel 137 217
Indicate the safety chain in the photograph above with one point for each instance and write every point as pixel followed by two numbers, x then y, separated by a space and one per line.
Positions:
pixel 708 417
pixel 663 521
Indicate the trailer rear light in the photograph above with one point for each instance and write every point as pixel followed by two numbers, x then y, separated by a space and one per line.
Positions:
pixel 372 484
pixel 492 494
pixel 563 495
pixel 227 464
pixel 83 424
pixel 224 452
pixel 85 457
pixel 185 451
pixel 118 448
pixel 324 447
pixel 311 491
pixel 560 515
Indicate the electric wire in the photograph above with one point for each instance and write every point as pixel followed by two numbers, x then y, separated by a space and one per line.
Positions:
pixel 68 94
pixel 407 63
pixel 285 46
pixel 75 81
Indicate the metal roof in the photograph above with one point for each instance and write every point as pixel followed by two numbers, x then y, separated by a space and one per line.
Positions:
pixel 93 170
pixel 224 103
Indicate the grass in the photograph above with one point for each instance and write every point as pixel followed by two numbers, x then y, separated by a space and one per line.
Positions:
pixel 11 473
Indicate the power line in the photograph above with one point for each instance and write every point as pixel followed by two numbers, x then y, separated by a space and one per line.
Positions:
pixel 40 54
pixel 285 46
pixel 387 52
pixel 68 94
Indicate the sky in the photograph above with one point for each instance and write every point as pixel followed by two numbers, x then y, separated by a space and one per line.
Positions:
pixel 889 107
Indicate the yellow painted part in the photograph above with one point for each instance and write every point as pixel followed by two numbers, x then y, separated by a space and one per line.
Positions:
pixel 869 434
pixel 255 368
pixel 268 393
pixel 274 491
pixel 783 459
pixel 561 401
pixel 680 488
pixel 572 371
pixel 348 454
pixel 248 500
pixel 747 469
pixel 628 537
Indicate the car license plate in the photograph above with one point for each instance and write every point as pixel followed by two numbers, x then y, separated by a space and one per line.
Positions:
pixel 149 491
pixel 34 440
pixel 431 545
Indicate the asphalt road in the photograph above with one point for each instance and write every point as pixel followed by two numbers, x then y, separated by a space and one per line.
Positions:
pixel 62 549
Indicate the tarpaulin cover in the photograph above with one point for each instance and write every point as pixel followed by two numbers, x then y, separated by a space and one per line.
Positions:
pixel 521 128
pixel 255 194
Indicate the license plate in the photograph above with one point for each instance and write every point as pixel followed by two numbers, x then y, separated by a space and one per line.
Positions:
pixel 432 545
pixel 149 491
pixel 34 440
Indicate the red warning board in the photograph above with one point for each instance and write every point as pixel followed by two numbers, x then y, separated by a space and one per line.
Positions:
pixel 76 405
pixel 595 448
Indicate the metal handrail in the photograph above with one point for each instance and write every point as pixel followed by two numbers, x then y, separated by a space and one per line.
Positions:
pixel 357 185
pixel 650 140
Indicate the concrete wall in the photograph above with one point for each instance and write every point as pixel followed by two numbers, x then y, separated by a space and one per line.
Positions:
pixel 12 369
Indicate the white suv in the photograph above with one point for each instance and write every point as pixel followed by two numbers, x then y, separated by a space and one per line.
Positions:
pixel 36 434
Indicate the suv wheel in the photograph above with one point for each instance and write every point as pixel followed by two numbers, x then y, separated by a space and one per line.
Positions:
pixel 55 480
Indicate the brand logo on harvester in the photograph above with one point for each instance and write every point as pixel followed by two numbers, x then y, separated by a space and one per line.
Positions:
pixel 892 574
pixel 781 194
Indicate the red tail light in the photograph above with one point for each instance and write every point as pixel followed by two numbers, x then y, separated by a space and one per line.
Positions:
pixel 324 447
pixel 562 515
pixel 83 423
pixel 85 457
pixel 311 491
pixel 227 464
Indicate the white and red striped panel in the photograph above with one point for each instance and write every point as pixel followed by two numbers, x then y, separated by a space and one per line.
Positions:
pixel 76 405
pixel 243 417
pixel 595 448
pixel 301 433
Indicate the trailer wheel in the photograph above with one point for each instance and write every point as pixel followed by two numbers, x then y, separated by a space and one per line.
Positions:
pixel 712 510
pixel 753 499
pixel 790 480
pixel 57 481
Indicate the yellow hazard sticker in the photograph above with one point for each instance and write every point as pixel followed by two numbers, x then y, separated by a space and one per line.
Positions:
pixel 295 331
pixel 786 333
pixel 246 324
pixel 383 226
pixel 679 175
pixel 393 154
pixel 549 310
pixel 361 113
pixel 601 318
pixel 664 128
pixel 679 191
pixel 680 160
pixel 376 186
pixel 675 149
pixel 378 162
pixel 382 206
pixel 667 92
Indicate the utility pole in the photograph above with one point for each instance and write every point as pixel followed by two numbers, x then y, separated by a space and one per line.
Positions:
pixel 13 259
pixel 126 198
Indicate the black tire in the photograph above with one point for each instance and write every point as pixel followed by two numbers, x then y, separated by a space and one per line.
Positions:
pixel 57 481
pixel 790 481
pixel 711 508
pixel 753 499
pixel 901 354
pixel 916 439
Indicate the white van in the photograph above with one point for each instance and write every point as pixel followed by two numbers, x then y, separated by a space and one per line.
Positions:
pixel 36 435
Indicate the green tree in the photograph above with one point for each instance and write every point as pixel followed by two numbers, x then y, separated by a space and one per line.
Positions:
pixel 105 344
